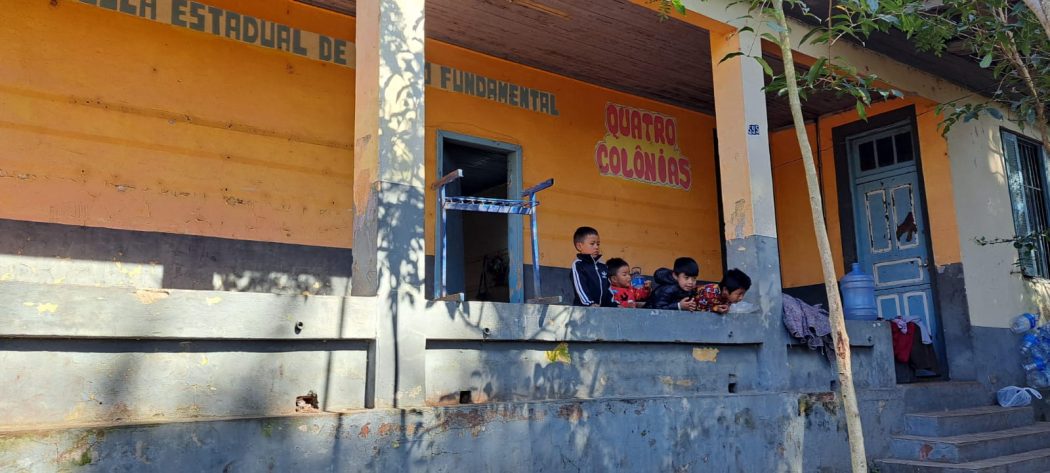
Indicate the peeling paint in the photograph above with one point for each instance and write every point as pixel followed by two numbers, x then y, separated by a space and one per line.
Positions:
pixel 560 354
pixel 707 354
pixel 149 296
pixel 682 383
pixel 213 300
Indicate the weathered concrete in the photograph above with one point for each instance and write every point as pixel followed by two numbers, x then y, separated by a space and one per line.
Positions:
pixel 35 310
pixel 967 421
pixel 739 433
pixel 389 137
pixel 954 311
pixel 49 253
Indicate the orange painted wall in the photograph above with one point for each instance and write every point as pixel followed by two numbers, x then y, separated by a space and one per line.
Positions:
pixel 109 120
pixel 646 224
pixel 119 122
pixel 798 252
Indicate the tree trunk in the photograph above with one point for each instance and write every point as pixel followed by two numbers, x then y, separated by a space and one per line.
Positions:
pixel 838 323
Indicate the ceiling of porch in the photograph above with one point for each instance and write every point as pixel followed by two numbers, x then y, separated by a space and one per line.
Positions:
pixel 610 43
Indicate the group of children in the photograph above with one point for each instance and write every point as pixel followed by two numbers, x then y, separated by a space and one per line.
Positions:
pixel 610 284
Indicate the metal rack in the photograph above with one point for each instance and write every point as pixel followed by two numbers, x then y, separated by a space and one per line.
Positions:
pixel 525 206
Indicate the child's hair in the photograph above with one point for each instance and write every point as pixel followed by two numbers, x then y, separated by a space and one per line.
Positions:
pixel 736 279
pixel 687 266
pixel 582 233
pixel 614 265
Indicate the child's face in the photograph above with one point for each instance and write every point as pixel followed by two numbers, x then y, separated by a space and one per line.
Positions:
pixel 590 245
pixel 621 278
pixel 737 296
pixel 686 282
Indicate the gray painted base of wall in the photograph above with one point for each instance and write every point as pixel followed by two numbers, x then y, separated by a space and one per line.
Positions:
pixel 51 253
pixel 726 433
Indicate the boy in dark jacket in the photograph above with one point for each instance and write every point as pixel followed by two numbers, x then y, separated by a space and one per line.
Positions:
pixel 590 277
pixel 676 289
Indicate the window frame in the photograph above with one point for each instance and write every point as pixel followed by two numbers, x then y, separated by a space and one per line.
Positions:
pixel 1037 263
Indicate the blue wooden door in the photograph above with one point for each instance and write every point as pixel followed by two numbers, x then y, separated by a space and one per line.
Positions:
pixel 891 227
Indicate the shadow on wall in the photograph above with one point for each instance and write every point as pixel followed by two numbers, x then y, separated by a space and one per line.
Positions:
pixel 64 254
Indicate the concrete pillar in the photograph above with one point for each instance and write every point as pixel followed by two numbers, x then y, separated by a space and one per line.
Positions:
pixel 747 191
pixel 388 193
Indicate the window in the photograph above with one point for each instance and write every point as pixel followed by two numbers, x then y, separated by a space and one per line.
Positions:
pixel 1026 167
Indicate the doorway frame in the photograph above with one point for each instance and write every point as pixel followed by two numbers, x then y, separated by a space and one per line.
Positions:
pixel 515 226
pixel 844 179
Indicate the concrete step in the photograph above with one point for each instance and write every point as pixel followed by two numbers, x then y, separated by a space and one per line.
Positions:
pixel 1036 461
pixel 971 447
pixel 945 395
pixel 967 421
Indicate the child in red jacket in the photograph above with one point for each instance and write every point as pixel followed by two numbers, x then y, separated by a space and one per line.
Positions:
pixel 625 295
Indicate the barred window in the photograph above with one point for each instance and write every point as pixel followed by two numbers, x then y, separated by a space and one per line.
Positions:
pixel 1027 174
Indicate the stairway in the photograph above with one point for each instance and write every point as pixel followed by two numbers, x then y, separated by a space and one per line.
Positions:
pixel 987 439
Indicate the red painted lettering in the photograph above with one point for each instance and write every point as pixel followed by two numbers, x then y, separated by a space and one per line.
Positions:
pixel 658 129
pixel 672 133
pixel 650 167
pixel 614 163
pixel 672 171
pixel 601 155
pixel 647 123
pixel 636 125
pixel 661 166
pixel 687 176
pixel 610 120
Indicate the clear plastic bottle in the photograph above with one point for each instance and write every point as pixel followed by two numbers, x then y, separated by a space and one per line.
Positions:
pixel 1039 378
pixel 1038 364
pixel 1033 345
pixel 1024 323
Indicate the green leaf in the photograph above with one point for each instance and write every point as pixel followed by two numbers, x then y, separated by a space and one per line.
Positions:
pixel 987 61
pixel 678 5
pixel 873 5
pixel 815 71
pixel 994 113
pixel 862 111
pixel 731 56
pixel 898 94
pixel 808 35
pixel 765 65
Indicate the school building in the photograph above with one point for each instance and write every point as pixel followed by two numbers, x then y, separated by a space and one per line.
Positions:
pixel 222 248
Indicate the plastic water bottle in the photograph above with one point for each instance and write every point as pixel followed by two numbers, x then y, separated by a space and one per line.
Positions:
pixel 1033 345
pixel 637 280
pixel 1038 378
pixel 1038 364
pixel 1024 323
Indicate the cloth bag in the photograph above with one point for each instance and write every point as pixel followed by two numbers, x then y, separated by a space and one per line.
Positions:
pixel 1013 396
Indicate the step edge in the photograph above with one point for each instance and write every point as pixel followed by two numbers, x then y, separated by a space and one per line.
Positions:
pixel 1002 460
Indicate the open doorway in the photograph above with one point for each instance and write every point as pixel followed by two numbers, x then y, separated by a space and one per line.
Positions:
pixel 484 250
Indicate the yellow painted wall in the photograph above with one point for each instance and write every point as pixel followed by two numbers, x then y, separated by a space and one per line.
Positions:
pixel 646 224
pixel 109 120
pixel 798 252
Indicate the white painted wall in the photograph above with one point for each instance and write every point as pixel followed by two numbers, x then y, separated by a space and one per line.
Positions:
pixel 996 293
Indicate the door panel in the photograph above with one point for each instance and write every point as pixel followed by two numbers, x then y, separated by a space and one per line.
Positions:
pixel 891 225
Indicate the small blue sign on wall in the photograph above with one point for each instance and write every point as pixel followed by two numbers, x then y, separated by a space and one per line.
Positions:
pixel 752 130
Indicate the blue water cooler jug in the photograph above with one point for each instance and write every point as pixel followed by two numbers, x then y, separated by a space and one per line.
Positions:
pixel 858 295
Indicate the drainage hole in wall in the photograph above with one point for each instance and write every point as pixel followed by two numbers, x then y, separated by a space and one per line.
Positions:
pixel 465 397
pixel 307 402
pixel 298 328
pixel 834 386
pixel 732 383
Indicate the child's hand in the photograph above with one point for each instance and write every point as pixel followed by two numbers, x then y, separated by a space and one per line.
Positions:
pixel 687 304
pixel 595 305
pixel 720 309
